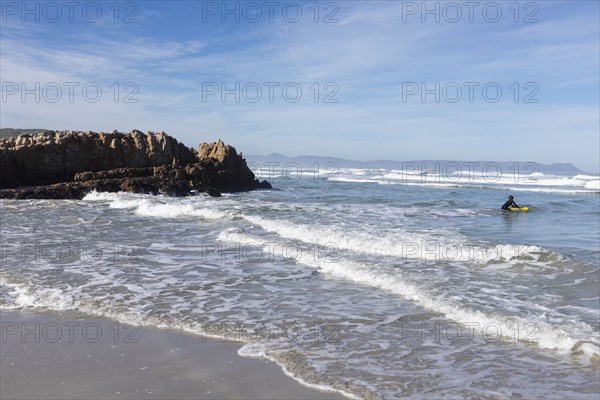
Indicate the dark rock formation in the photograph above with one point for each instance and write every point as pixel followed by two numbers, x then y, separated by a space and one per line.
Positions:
pixel 70 164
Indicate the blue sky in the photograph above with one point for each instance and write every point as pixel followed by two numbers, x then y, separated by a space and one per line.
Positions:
pixel 362 68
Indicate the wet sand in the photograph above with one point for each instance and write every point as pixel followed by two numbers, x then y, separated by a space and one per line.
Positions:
pixel 48 356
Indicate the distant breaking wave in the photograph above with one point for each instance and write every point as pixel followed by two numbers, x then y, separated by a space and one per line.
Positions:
pixel 538 182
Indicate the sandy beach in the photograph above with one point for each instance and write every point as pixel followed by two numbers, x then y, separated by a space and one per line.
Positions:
pixel 51 356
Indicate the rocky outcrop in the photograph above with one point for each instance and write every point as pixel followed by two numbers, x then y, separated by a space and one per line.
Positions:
pixel 51 157
pixel 223 167
pixel 70 164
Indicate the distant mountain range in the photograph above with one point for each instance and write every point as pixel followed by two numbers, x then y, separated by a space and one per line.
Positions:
pixel 524 167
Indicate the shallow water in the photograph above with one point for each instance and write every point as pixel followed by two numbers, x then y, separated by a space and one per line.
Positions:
pixel 367 281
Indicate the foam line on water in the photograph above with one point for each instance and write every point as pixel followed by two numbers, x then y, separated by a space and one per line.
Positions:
pixel 589 188
pixel 146 206
pixel 405 246
pixel 550 336
pixel 258 350
pixel 536 181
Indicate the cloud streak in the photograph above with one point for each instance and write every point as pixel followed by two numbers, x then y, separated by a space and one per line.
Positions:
pixel 370 55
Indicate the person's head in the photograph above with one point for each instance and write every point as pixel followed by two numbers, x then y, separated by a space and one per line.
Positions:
pixel 510 197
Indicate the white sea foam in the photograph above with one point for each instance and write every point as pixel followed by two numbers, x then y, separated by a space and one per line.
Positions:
pixel 259 350
pixel 508 327
pixel 404 246
pixel 147 206
pixel 352 180
pixel 548 336
pixel 99 196
pixel 548 190
pixel 527 182
pixel 593 184
pixel 174 210
pixel 173 281
pixel 22 296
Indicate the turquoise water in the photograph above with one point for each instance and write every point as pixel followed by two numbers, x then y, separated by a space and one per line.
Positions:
pixel 366 282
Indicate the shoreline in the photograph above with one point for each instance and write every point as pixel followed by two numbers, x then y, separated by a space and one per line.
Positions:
pixel 73 356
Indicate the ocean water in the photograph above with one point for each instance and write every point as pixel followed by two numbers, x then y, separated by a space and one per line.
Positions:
pixel 374 283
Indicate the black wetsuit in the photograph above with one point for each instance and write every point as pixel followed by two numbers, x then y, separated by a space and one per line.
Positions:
pixel 509 203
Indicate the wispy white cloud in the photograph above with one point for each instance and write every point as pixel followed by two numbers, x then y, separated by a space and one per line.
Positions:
pixel 369 54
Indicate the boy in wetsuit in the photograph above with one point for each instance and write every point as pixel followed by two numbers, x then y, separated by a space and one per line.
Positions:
pixel 510 203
